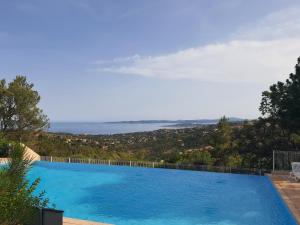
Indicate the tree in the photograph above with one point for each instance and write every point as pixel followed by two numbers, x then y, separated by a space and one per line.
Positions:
pixel 18 203
pixel 6 107
pixel 223 134
pixel 222 141
pixel 198 157
pixel 19 111
pixel 234 160
pixel 282 102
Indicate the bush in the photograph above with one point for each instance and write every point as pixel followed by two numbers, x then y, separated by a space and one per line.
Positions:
pixel 199 158
pixel 18 203
pixel 235 160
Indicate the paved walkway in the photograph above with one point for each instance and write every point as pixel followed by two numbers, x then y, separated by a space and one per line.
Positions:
pixel 71 221
pixel 290 192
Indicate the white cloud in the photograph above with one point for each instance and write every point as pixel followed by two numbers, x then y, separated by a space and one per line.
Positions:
pixel 282 24
pixel 264 53
pixel 119 61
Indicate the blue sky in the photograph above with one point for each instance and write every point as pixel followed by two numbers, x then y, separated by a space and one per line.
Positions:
pixel 105 60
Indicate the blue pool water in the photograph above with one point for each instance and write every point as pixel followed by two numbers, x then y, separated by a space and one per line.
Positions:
pixel 143 196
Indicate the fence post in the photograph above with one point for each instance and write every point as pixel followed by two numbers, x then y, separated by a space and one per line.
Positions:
pixel 153 165
pixel 69 160
pixel 273 160
pixel 109 162
pixel 130 163
pixel 51 159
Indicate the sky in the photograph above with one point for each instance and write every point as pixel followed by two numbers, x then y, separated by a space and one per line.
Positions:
pixel 109 60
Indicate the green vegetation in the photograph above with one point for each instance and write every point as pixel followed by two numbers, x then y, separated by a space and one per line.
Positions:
pixel 246 144
pixel 281 106
pixel 20 120
pixel 18 203
pixel 20 115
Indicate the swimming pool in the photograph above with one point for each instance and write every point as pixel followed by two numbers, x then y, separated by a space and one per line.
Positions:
pixel 143 196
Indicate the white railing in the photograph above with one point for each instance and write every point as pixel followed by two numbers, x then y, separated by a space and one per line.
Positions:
pixel 147 164
pixel 103 162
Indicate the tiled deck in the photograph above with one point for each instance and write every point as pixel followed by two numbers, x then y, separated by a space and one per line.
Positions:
pixel 290 192
pixel 71 221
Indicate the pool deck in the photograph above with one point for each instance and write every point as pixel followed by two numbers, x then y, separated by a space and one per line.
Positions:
pixel 71 221
pixel 289 190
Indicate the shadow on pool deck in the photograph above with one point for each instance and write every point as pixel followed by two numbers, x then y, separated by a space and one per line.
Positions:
pixel 71 221
pixel 289 190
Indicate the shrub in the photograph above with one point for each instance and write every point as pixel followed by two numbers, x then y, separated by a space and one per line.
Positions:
pixel 18 203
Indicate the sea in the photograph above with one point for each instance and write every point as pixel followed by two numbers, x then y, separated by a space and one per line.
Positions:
pixel 102 128
pixel 122 127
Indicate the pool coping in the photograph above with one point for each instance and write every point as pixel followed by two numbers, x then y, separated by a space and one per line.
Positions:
pixel 72 221
pixel 288 189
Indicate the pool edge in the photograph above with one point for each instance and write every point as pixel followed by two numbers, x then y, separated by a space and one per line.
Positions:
pixel 74 221
pixel 288 201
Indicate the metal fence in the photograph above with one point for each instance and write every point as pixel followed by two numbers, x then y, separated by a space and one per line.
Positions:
pixel 181 166
pixel 282 159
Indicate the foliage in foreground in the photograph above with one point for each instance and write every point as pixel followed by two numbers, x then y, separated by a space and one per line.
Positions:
pixel 18 201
